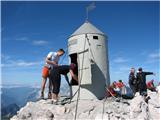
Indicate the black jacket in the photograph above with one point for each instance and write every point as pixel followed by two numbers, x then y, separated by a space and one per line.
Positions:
pixel 141 78
pixel 132 79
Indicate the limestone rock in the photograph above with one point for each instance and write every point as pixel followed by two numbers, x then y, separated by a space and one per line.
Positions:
pixel 106 109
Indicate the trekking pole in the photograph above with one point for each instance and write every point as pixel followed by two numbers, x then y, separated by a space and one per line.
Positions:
pixel 117 100
pixel 110 93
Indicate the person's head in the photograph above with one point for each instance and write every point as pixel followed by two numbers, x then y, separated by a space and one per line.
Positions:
pixel 120 81
pixel 114 82
pixel 60 52
pixel 72 66
pixel 132 70
pixel 140 69
pixel 152 80
pixel 113 85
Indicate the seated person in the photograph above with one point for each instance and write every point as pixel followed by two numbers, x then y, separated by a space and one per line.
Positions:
pixel 119 84
pixel 111 90
pixel 150 85
pixel 122 91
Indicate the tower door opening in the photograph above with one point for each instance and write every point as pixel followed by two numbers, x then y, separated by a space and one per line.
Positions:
pixel 74 60
pixel 83 67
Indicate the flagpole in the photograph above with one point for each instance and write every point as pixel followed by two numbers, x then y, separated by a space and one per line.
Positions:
pixel 89 8
pixel 87 14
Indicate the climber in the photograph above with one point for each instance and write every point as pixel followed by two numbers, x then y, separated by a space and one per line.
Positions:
pixel 123 91
pixel 51 63
pixel 119 84
pixel 150 86
pixel 55 78
pixel 132 81
pixel 120 88
pixel 111 90
pixel 65 69
pixel 141 78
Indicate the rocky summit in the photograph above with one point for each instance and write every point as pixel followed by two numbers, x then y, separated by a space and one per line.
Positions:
pixel 110 108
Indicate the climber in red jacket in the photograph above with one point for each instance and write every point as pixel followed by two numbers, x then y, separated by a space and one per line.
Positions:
pixel 150 85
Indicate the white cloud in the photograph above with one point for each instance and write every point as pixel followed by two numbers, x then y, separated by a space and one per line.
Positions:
pixel 9 62
pixel 15 85
pixel 5 57
pixel 21 63
pixel 120 69
pixel 125 68
pixel 39 42
pixel 120 60
pixel 2 65
pixel 154 55
pixel 26 64
pixel 22 39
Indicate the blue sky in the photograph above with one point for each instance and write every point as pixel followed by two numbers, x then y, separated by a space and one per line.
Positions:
pixel 31 29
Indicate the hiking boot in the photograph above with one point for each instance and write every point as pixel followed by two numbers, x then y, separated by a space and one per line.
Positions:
pixel 42 95
pixel 54 101
pixel 118 99
pixel 49 95
pixel 147 99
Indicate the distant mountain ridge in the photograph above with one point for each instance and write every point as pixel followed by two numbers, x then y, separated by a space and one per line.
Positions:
pixel 13 98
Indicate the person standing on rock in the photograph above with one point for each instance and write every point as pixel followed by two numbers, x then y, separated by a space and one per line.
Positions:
pixel 132 81
pixel 141 78
pixel 51 63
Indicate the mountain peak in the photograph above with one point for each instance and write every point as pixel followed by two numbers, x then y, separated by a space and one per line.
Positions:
pixel 108 108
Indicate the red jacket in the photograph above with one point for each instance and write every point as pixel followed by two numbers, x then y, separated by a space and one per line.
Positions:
pixel 150 84
pixel 119 84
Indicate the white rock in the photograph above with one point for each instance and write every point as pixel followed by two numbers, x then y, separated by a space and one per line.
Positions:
pixel 93 110
pixel 60 110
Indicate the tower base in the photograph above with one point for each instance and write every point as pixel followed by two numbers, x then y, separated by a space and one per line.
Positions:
pixel 86 93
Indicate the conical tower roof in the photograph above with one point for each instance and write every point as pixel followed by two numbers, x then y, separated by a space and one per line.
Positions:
pixel 87 27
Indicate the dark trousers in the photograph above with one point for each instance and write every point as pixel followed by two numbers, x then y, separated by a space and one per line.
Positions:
pixel 143 89
pixel 50 86
pixel 55 80
pixel 133 88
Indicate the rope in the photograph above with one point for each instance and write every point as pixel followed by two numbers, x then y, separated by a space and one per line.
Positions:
pixel 90 47
pixel 75 117
pixel 94 61
pixel 78 90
